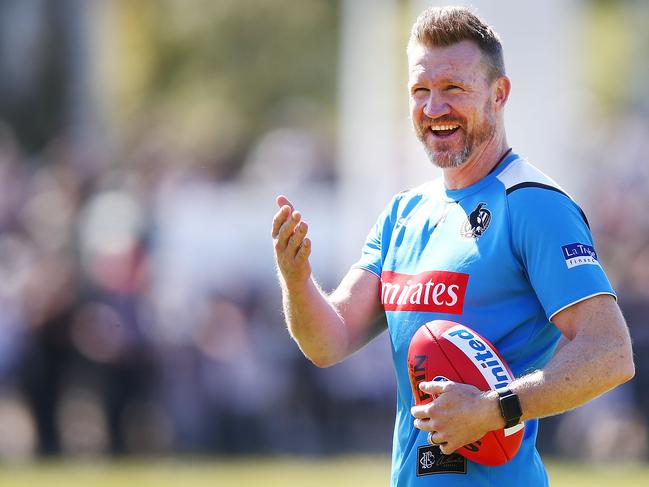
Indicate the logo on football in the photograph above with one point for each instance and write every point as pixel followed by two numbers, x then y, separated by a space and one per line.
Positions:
pixel 444 350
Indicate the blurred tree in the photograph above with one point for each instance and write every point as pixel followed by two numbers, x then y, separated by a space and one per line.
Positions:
pixel 211 76
pixel 617 39
pixel 216 75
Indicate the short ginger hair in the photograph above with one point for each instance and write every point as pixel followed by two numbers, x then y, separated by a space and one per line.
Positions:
pixel 445 26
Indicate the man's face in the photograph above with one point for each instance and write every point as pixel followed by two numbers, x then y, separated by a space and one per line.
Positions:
pixel 451 101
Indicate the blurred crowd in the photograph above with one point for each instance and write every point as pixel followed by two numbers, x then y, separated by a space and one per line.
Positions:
pixel 140 312
pixel 139 308
pixel 139 316
pixel 617 200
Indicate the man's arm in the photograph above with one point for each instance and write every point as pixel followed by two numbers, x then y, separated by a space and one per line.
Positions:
pixel 597 358
pixel 327 328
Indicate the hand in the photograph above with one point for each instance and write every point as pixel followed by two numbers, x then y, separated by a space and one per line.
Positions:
pixel 459 414
pixel 292 248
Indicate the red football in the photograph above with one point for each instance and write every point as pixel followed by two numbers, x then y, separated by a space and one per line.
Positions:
pixel 442 350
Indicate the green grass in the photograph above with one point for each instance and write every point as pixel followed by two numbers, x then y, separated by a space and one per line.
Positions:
pixel 610 473
pixel 337 472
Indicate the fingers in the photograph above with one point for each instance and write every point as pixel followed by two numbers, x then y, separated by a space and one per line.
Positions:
pixel 292 248
pixel 285 211
pixel 435 438
pixel 284 201
pixel 447 448
pixel 451 417
pixel 437 430
pixel 304 251
pixel 285 216
pixel 287 229
pixel 421 412
pixel 296 239
pixel 284 224
pixel 279 219
pixel 424 424
pixel 435 388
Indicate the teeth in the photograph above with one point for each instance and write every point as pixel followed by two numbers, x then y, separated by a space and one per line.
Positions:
pixel 444 127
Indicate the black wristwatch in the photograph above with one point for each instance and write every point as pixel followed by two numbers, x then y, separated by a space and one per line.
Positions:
pixel 510 407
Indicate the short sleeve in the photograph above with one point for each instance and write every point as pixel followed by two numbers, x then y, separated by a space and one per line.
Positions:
pixel 377 240
pixel 551 237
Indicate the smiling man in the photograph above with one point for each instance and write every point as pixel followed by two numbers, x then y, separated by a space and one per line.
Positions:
pixel 493 244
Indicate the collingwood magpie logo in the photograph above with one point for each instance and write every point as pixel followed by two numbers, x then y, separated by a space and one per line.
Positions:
pixel 477 222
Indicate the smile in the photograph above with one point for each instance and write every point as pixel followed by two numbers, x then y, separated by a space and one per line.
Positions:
pixel 444 130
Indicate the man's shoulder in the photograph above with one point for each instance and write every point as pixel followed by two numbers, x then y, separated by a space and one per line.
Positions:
pixel 521 174
pixel 532 192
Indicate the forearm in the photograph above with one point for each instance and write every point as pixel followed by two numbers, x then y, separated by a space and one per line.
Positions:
pixel 596 357
pixel 314 323
pixel 583 369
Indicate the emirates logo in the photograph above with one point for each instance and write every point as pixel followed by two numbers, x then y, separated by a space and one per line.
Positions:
pixel 435 291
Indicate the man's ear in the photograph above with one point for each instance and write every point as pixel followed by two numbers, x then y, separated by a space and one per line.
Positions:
pixel 502 87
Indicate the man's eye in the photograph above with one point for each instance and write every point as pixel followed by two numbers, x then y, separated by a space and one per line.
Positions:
pixel 453 88
pixel 420 91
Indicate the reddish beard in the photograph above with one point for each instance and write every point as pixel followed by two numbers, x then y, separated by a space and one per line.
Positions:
pixel 441 154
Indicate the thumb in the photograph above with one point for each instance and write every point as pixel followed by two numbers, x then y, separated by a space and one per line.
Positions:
pixel 283 200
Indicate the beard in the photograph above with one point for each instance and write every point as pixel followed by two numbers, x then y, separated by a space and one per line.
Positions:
pixel 442 154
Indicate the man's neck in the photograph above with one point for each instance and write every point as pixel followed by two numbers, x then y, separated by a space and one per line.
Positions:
pixel 481 163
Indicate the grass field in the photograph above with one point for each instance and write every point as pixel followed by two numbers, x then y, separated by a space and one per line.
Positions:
pixel 337 472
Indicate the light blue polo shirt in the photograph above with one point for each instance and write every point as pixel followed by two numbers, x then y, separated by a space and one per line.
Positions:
pixel 501 256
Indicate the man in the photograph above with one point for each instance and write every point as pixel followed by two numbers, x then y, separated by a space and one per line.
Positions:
pixel 494 244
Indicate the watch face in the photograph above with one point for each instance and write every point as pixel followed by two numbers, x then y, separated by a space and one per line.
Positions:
pixel 511 409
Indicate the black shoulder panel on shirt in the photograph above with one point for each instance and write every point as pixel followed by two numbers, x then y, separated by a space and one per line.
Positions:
pixel 530 184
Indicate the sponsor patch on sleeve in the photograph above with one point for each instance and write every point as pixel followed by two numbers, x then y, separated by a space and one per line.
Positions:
pixel 577 254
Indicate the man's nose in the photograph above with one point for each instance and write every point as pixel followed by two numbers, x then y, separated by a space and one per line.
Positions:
pixel 435 107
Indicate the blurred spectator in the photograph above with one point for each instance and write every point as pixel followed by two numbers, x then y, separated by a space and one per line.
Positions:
pixel 139 311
